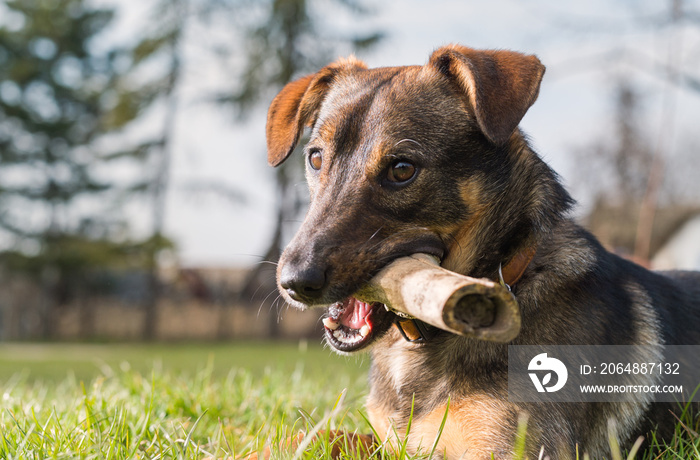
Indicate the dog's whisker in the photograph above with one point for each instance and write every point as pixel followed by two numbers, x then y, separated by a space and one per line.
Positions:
pixel 264 301
pixel 398 235
pixel 280 311
pixel 269 294
pixel 262 285
pixel 454 240
pixel 269 262
pixel 408 140
pixel 374 234
pixel 279 300
pixel 257 315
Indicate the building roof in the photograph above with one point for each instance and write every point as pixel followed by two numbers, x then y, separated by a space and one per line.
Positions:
pixel 616 225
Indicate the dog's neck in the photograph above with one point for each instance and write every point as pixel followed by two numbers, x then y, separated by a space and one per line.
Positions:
pixel 527 211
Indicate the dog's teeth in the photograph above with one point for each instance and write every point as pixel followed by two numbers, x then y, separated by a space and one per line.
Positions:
pixel 330 324
pixel 337 334
pixel 364 332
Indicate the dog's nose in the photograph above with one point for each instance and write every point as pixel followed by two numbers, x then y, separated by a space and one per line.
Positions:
pixel 303 285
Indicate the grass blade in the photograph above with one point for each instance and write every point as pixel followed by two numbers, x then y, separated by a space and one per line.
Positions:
pixel 442 427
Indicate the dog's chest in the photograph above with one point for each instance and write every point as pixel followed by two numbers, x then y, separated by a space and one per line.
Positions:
pixel 414 383
pixel 403 373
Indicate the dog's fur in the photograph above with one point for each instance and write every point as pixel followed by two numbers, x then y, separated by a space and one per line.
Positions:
pixel 478 197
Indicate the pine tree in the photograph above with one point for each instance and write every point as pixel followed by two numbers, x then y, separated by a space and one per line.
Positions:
pixel 162 42
pixel 55 94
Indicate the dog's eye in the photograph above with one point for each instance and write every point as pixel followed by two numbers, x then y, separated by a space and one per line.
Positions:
pixel 401 171
pixel 316 160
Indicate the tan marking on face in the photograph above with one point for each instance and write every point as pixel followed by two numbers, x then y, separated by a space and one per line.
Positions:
pixel 461 248
pixel 374 163
pixel 327 129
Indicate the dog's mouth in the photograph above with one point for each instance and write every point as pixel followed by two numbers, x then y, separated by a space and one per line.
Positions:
pixel 352 324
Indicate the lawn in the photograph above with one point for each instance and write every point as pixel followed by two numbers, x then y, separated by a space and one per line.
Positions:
pixel 55 362
pixel 118 401
pixel 178 401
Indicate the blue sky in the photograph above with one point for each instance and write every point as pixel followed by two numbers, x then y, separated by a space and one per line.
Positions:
pixel 574 106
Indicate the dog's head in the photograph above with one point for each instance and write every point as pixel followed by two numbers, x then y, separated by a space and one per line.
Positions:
pixel 400 160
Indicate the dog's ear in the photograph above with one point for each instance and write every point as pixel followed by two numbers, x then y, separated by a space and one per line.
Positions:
pixel 296 107
pixel 499 85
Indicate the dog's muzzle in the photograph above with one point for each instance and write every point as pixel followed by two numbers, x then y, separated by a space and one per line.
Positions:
pixel 305 285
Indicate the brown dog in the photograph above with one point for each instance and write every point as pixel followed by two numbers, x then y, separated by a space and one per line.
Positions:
pixel 429 159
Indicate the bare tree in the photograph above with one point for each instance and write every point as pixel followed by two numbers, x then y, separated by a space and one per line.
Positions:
pixel 647 210
pixel 634 159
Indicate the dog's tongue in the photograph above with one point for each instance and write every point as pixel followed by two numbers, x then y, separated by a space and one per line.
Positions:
pixel 355 314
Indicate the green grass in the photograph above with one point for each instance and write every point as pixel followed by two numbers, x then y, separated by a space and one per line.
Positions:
pixel 53 362
pixel 193 402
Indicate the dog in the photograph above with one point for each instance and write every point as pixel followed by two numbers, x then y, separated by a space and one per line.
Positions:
pixel 429 159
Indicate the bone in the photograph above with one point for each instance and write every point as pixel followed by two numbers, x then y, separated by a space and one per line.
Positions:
pixel 418 287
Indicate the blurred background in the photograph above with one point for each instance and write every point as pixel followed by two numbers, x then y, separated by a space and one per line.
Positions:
pixel 135 198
